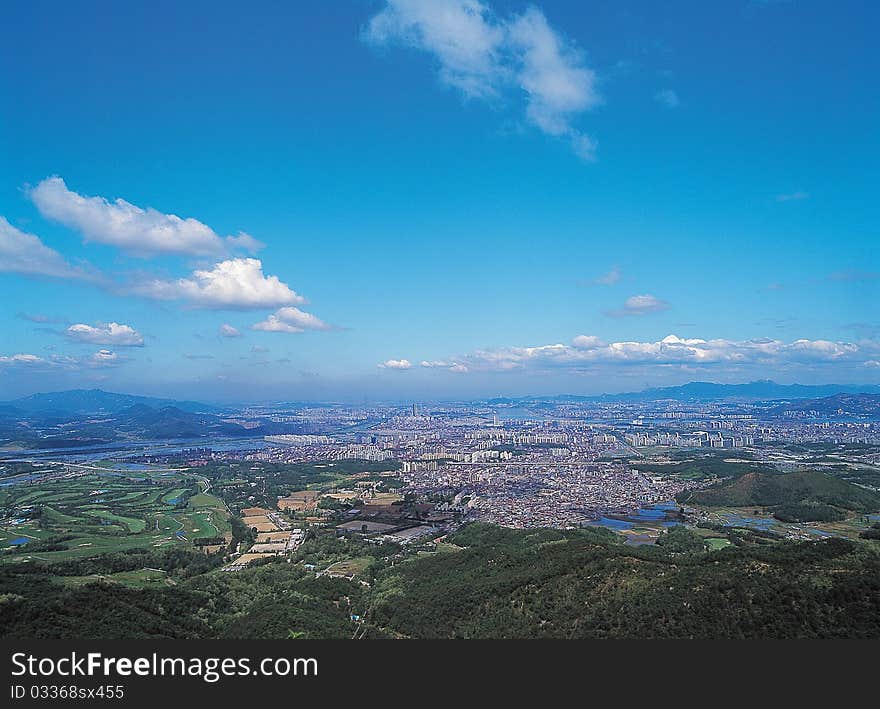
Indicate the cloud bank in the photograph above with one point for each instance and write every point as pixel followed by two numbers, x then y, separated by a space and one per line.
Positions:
pixel 591 353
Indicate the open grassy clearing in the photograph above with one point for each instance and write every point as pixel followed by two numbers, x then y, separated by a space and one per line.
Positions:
pixel 92 513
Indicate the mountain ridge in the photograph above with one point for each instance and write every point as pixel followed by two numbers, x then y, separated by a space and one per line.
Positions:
pixel 92 401
pixel 759 390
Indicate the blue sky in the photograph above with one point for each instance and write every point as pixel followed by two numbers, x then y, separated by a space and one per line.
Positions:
pixel 439 199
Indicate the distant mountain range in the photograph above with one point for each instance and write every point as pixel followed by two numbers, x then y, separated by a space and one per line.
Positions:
pixel 843 404
pixel 86 417
pixel 94 401
pixel 708 391
pixel 80 402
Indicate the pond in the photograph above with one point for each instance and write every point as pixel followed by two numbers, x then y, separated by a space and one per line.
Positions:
pixel 653 515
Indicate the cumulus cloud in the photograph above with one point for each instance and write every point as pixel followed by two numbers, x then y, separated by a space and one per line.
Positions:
pixel 104 358
pixel 139 231
pixel 227 330
pixel 485 56
pixel 291 320
pixel 25 253
pixel 588 352
pixel 395 364
pixel 667 98
pixel 639 305
pixel 235 284
pixel 106 334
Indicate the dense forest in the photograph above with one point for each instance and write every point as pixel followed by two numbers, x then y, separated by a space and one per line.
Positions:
pixel 580 584
pixel 486 582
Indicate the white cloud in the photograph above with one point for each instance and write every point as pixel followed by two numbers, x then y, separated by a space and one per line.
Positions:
pixel 20 359
pixel 291 320
pixel 587 342
pixel 457 367
pixel 639 305
pixel 485 56
pixel 667 98
pixel 235 284
pixel 25 253
pixel 396 364
pixel 461 34
pixel 587 352
pixel 106 334
pixel 142 232
pixel 609 279
pixel 793 196
pixel 58 362
pixel 104 358
pixel 226 330
pixel 553 75
pixel 822 349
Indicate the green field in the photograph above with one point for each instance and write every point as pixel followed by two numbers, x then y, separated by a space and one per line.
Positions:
pixel 349 567
pixel 86 514
pixel 142 578
pixel 716 543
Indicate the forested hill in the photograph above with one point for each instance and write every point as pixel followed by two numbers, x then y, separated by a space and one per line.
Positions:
pixel 93 401
pixel 548 583
pixel 803 487
pixel 488 582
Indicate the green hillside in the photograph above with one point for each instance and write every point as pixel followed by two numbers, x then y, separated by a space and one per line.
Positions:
pixel 547 583
pixel 488 582
pixel 802 495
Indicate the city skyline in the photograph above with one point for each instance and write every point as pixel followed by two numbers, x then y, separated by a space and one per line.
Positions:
pixel 452 199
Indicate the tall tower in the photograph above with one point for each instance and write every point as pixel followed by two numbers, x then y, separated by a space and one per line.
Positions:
pixel 415 410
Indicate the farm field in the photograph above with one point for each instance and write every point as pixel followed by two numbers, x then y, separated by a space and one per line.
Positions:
pixel 83 514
